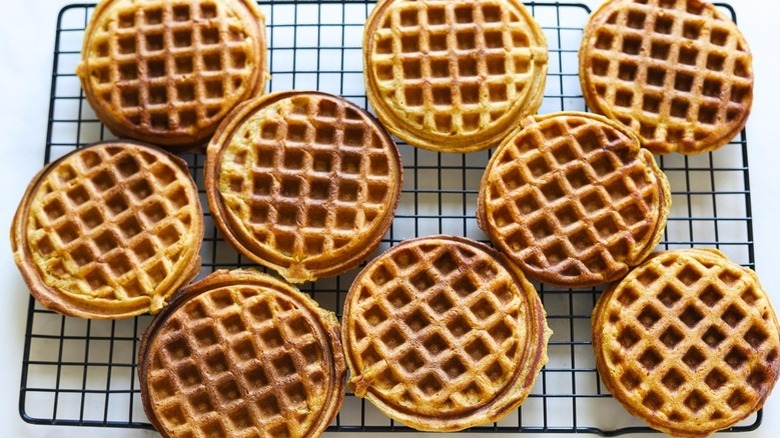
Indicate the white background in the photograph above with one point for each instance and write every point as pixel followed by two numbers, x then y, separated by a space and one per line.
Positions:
pixel 26 45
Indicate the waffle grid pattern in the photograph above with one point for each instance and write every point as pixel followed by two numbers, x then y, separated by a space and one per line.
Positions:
pixel 211 65
pixel 224 329
pixel 681 73
pixel 458 77
pixel 329 185
pixel 82 372
pixel 104 252
pixel 715 318
pixel 461 323
pixel 583 202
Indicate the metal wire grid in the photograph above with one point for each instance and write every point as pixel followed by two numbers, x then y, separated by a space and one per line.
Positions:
pixel 82 372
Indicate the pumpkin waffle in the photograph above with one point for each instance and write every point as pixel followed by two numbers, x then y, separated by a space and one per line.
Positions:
pixel 443 333
pixel 688 342
pixel 240 353
pixel 109 231
pixel 573 199
pixel 453 75
pixel 304 183
pixel 168 71
pixel 679 73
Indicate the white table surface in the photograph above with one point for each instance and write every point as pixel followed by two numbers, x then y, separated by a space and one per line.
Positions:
pixel 26 45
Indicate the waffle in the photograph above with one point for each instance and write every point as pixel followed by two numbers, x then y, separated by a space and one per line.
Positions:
pixel 304 183
pixel 241 354
pixel 168 71
pixel 109 231
pixel 453 75
pixel 677 72
pixel 688 342
pixel 573 199
pixel 443 333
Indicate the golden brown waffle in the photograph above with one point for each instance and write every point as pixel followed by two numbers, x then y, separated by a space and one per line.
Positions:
pixel 443 333
pixel 677 72
pixel 573 200
pixel 688 342
pixel 109 231
pixel 168 71
pixel 304 183
pixel 240 353
pixel 453 75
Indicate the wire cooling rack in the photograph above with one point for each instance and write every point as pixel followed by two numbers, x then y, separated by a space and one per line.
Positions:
pixel 82 372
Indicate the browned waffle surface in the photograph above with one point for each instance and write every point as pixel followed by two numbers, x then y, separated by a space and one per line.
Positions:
pixel 168 71
pixel 688 342
pixel 109 231
pixel 573 200
pixel 453 76
pixel 442 333
pixel 678 72
pixel 305 183
pixel 240 353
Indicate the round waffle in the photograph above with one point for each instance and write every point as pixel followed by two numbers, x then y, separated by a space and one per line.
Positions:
pixel 109 231
pixel 453 75
pixel 240 353
pixel 573 199
pixel 304 183
pixel 688 342
pixel 678 72
pixel 443 333
pixel 168 71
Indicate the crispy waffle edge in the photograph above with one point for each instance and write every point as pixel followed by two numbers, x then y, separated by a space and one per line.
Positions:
pixel 224 278
pixel 610 380
pixel 172 143
pixel 597 104
pixel 516 390
pixel 73 305
pixel 250 249
pixel 483 139
pixel 665 197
